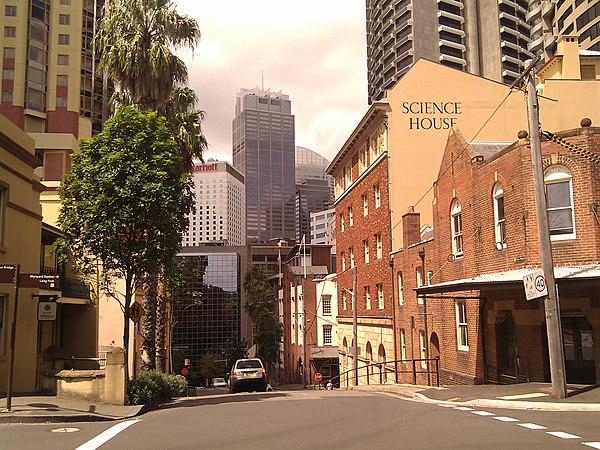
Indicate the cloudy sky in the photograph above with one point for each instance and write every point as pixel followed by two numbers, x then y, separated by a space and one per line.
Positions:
pixel 312 50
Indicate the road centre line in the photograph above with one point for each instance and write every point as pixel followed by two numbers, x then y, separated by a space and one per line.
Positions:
pixel 563 435
pixel 532 426
pixel 463 408
pixel 592 444
pixel 106 435
pixel 483 413
pixel 505 419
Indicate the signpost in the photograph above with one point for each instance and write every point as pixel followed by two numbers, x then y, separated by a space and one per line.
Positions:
pixel 39 281
pixel 318 376
pixel 47 310
pixel 136 311
pixel 535 285
pixel 7 273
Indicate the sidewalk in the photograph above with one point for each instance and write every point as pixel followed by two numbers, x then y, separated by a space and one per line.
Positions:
pixel 46 409
pixel 512 396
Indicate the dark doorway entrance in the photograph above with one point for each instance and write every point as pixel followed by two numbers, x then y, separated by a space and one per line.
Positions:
pixel 579 350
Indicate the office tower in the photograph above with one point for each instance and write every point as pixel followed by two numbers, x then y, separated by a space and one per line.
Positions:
pixel 485 37
pixel 314 189
pixel 263 152
pixel 571 17
pixel 49 88
pixel 220 216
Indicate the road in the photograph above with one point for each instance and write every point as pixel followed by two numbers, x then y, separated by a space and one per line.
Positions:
pixel 316 419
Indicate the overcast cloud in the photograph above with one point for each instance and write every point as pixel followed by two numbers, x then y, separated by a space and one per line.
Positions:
pixel 314 51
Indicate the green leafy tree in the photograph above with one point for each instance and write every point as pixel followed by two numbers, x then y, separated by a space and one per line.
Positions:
pixel 238 351
pixel 125 202
pixel 260 305
pixel 212 366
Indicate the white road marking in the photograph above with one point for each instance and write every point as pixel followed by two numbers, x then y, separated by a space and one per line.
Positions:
pixel 563 435
pixel 521 396
pixel 532 426
pixel 463 408
pixel 446 405
pixel 483 413
pixel 592 444
pixel 505 419
pixel 107 435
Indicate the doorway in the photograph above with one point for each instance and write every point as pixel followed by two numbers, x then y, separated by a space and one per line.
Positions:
pixel 578 344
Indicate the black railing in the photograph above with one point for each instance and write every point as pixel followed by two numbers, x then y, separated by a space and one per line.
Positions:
pixel 73 287
pixel 80 363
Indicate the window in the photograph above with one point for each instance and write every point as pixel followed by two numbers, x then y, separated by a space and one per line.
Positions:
pixel 419 280
pixel 379 246
pixel 8 74
pixel 63 60
pixel 423 349
pixel 377 192
pixel 367 297
pixel 461 326
pixel 348 175
pixel 365 200
pixel 344 300
pixel 61 101
pixel 2 321
pixel 8 53
pixel 65 2
pixel 350 216
pixel 342 224
pixel 499 217
pixel 559 194
pixel 343 258
pixel 363 158
pixel 326 299
pixel 10 32
pixel 456 226
pixel 64 19
pixel 402 345
pixel 380 295
pixel 7 96
pixel 366 250
pixel 62 80
pixel 351 251
pixel 400 290
pixel 10 10
pixel 327 340
pixel 63 39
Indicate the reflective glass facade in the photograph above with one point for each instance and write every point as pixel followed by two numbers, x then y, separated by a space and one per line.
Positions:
pixel 206 310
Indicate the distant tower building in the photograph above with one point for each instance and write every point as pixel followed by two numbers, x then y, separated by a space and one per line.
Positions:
pixel 485 37
pixel 322 227
pixel 314 189
pixel 220 216
pixel 263 152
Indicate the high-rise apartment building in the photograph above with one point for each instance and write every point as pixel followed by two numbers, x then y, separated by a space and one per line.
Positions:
pixel 220 216
pixel 489 38
pixel 264 153
pixel 314 189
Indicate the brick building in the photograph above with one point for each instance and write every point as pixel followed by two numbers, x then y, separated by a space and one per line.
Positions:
pixel 485 241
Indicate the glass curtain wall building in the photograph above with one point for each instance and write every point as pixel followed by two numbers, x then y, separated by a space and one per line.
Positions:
pixel 206 310
pixel 264 153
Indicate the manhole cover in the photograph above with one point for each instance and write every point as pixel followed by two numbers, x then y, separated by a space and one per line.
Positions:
pixel 65 430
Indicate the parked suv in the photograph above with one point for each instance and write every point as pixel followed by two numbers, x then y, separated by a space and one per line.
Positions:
pixel 248 375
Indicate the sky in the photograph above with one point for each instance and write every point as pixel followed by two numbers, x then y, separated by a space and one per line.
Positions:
pixel 312 50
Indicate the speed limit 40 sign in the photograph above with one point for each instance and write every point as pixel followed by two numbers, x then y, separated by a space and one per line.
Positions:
pixel 535 285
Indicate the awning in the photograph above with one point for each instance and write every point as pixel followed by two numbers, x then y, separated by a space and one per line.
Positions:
pixel 512 279
pixel 325 352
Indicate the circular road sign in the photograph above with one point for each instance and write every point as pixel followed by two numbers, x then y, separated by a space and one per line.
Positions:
pixel 185 371
pixel 540 283
pixel 318 376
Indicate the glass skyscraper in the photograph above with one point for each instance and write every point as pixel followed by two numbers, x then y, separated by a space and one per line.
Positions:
pixel 264 152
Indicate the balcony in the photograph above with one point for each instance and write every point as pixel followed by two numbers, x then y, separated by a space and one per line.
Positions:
pixel 74 288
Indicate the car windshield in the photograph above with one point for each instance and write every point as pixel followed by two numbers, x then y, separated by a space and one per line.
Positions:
pixel 250 364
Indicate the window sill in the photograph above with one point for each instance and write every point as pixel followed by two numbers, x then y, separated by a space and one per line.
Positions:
pixel 563 237
pixel 463 348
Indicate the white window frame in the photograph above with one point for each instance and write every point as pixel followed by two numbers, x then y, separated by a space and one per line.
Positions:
pixel 350 216
pixel 366 250
pixel 423 349
pixel 326 301
pixel 351 252
pixel 367 290
pixel 462 326
pixel 365 200
pixel 379 245
pixel 363 161
pixel 377 194
pixel 343 258
pixel 327 335
pixel 348 176
pixel 344 301
pixel 342 223
pixel 380 297
pixel 402 345
pixel 419 282
pixel 400 289
pixel 64 19
pixel 554 175
pixel 499 216
pixel 457 228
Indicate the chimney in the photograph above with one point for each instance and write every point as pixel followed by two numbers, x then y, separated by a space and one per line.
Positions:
pixel 568 47
pixel 411 229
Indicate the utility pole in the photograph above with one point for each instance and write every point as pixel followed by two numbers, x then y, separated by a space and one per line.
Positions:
pixel 354 326
pixel 551 303
pixel 425 282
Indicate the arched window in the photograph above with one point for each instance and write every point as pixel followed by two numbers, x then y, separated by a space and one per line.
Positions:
pixel 381 357
pixel 559 197
pixel 369 356
pixel 499 217
pixel 456 226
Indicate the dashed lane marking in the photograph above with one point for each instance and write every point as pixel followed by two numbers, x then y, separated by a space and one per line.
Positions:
pixel 592 444
pixel 505 419
pixel 532 426
pixel 483 413
pixel 446 405
pixel 463 408
pixel 563 435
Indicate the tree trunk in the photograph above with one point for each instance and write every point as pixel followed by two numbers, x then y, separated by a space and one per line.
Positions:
pixel 161 328
pixel 148 328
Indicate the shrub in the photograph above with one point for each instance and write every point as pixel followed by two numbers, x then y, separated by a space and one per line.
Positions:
pixel 152 386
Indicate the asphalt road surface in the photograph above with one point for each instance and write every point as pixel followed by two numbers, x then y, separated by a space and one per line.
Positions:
pixel 316 420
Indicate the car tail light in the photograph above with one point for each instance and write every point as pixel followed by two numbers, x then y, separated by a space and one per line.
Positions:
pixel 233 373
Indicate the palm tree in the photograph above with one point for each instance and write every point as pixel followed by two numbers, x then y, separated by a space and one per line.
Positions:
pixel 136 39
